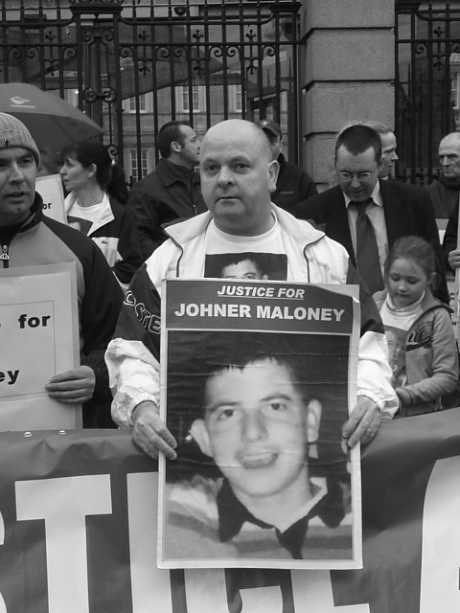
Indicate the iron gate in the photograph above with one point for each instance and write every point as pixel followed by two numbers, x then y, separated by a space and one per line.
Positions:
pixel 133 65
pixel 427 83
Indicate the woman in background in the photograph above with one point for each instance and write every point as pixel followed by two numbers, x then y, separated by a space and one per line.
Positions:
pixel 92 208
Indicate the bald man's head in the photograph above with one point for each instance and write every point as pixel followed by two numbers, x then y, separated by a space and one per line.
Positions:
pixel 449 156
pixel 238 176
pixel 232 129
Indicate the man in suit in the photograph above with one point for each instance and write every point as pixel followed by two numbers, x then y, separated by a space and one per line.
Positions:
pixel 390 209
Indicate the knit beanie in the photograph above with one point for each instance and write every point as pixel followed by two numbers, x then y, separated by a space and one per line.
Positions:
pixel 13 133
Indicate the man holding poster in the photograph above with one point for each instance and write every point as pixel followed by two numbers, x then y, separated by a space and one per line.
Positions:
pixel 237 177
pixel 28 238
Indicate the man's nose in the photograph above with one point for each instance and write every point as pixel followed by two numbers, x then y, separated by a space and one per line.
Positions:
pixel 444 160
pixel 225 175
pixel 254 427
pixel 355 181
pixel 16 173
pixel 395 156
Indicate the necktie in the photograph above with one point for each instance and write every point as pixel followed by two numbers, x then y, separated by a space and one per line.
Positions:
pixel 367 255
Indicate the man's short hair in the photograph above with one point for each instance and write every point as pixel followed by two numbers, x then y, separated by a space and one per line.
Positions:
pixel 271 128
pixel 359 138
pixel 168 133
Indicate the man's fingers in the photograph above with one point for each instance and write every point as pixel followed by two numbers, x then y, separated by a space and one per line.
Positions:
pixel 152 444
pixel 363 423
pixel 69 385
pixel 350 425
pixel 152 435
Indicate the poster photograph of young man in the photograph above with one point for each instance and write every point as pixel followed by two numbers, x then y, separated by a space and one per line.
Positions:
pixel 261 478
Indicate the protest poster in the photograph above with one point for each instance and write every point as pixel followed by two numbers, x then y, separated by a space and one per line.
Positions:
pixel 257 380
pixel 39 338
pixel 78 510
pixel 50 189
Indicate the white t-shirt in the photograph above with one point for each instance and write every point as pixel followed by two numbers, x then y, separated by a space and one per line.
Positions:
pixel 82 217
pixel 245 257
pixel 397 322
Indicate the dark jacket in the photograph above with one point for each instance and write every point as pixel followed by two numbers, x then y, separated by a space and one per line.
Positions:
pixel 169 193
pixel 41 240
pixel 407 209
pixel 115 233
pixel 450 237
pixel 293 185
pixel 444 196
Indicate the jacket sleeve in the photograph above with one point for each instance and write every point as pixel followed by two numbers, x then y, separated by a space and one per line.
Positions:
pixel 450 237
pixel 311 210
pixel 429 231
pixel 133 355
pixel 148 223
pixel 98 314
pixel 374 371
pixel 128 247
pixel 444 367
pixel 307 188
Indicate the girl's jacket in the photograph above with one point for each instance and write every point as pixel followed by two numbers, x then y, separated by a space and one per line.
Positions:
pixel 431 360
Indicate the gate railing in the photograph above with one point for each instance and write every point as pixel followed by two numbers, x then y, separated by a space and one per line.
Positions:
pixel 427 83
pixel 133 65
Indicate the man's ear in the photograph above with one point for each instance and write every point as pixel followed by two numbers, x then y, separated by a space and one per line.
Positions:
pixel 175 146
pixel 92 169
pixel 314 409
pixel 199 433
pixel 273 171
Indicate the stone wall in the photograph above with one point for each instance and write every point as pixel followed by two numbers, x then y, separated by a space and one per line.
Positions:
pixel 347 72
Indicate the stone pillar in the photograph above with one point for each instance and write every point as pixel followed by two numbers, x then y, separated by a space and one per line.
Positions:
pixel 347 73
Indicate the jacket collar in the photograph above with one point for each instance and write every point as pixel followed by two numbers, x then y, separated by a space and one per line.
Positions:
pixel 232 514
pixel 105 214
pixel 172 173
pixel 303 232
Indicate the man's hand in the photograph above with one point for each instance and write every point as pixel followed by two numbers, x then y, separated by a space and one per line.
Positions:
pixel 363 423
pixel 454 258
pixel 151 433
pixel 72 386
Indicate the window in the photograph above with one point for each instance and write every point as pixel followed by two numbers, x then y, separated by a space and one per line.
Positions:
pixel 236 93
pixel 455 82
pixel 129 105
pixel 183 99
pixel 145 165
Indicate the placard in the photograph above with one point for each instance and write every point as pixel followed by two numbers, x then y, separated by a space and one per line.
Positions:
pixel 258 379
pixel 50 189
pixel 39 338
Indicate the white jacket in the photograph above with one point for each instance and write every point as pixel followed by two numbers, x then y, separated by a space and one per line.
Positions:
pixel 133 355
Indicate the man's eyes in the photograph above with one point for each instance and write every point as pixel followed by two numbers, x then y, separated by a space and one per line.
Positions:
pixel 210 168
pixel 223 414
pixel 277 406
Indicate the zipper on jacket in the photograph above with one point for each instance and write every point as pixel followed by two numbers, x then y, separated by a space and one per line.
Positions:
pixel 5 257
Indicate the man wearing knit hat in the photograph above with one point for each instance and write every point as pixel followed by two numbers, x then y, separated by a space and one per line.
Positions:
pixel 27 238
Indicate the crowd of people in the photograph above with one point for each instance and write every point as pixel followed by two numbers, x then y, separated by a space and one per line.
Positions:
pixel 247 204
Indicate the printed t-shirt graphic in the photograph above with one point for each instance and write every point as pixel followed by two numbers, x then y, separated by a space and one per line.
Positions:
pixel 245 257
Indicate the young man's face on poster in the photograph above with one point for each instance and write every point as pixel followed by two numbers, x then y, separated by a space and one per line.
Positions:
pixel 256 427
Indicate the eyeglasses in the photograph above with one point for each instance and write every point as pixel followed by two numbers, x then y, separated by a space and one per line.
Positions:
pixel 361 176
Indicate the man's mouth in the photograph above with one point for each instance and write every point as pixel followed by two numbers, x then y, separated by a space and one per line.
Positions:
pixel 17 195
pixel 259 459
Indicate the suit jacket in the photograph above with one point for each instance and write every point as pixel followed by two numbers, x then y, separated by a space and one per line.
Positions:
pixel 407 210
